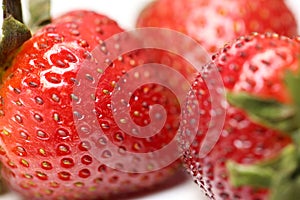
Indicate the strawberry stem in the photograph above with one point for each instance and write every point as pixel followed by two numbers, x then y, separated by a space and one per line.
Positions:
pixel 14 8
pixel 15 33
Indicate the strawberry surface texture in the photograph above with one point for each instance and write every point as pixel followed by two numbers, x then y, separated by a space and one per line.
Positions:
pixel 213 23
pixel 43 154
pixel 255 133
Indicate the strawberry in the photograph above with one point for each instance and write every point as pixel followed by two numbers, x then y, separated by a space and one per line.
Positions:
pixel 43 149
pixel 213 23
pixel 257 153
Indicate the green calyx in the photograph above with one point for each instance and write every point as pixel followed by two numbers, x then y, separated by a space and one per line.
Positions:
pixel 3 186
pixel 267 112
pixel 15 32
pixel 281 174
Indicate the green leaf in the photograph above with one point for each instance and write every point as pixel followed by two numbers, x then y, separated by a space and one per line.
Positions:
pixel 285 187
pixel 14 35
pixel 267 112
pixel 280 173
pixel 292 81
pixel 249 175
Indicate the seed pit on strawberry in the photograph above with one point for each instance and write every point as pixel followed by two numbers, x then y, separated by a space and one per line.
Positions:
pixel 38 117
pixel 122 150
pixel 28 176
pixel 119 137
pixel 39 100
pixel 54 184
pixel 84 173
pixel 67 162
pixel 24 163
pixel 53 78
pixel 98 180
pixel 42 135
pixel 87 160
pixel 41 175
pixel 63 149
pixel 46 165
pixel 84 146
pixel 64 176
pixel 106 154
pixel 20 151
pixel 18 119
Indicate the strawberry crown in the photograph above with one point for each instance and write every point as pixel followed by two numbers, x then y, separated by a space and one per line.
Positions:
pixel 281 175
pixel 14 31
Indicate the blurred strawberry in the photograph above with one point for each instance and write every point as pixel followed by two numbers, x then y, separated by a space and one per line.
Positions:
pixel 213 23
pixel 257 153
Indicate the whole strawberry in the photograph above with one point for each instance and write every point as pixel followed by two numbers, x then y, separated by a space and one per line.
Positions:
pixel 213 23
pixel 257 152
pixel 43 152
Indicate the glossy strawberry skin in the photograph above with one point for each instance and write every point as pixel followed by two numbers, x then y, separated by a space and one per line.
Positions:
pixel 256 65
pixel 42 153
pixel 213 23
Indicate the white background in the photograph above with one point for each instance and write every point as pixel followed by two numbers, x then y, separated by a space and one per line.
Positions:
pixel 125 13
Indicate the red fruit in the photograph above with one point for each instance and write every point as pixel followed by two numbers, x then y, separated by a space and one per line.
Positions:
pixel 260 122
pixel 42 151
pixel 213 23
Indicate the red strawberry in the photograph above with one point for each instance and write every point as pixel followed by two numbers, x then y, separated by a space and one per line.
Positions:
pixel 256 154
pixel 213 23
pixel 42 151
